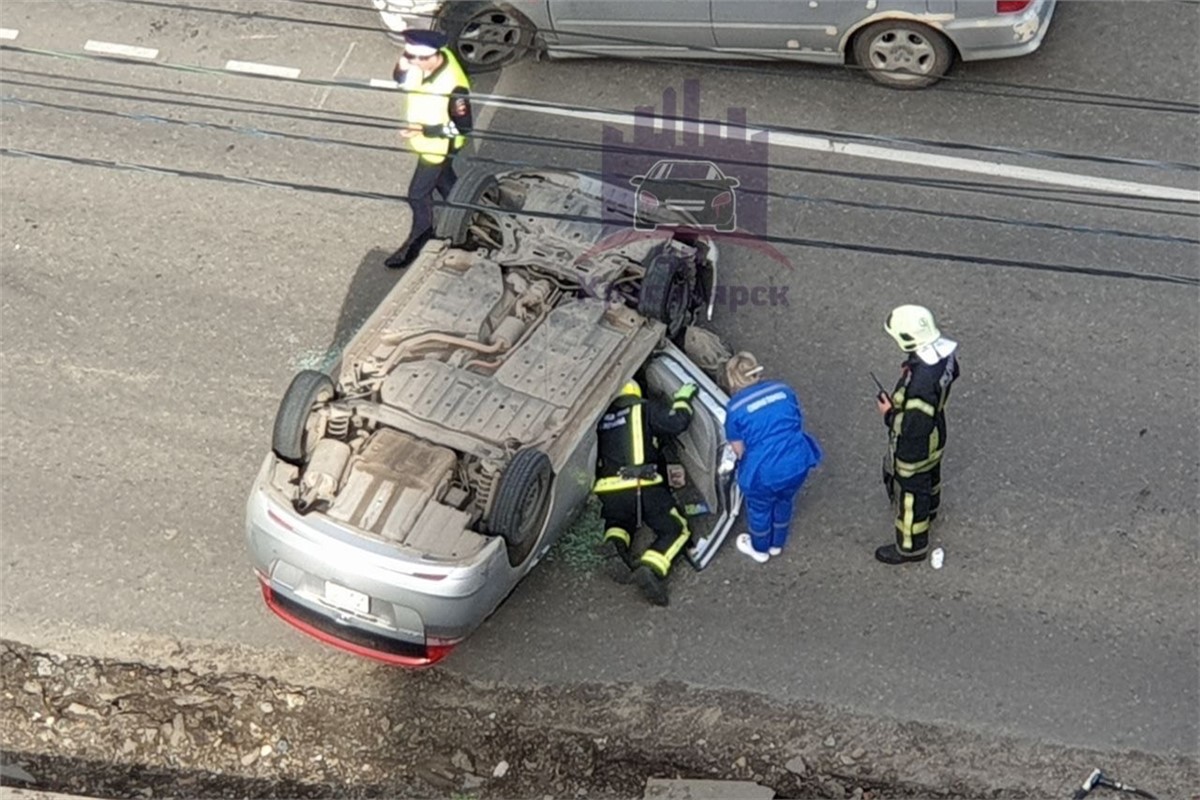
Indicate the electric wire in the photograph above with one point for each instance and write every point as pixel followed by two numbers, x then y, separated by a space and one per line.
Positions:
pixel 262 133
pixel 1096 98
pixel 529 103
pixel 819 244
pixel 388 123
pixel 282 110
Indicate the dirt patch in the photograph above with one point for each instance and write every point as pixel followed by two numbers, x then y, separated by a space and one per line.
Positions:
pixel 85 725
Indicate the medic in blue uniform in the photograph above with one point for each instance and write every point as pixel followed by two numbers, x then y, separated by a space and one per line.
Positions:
pixel 765 426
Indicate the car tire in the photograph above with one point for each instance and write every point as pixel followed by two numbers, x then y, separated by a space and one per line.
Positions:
pixel 295 435
pixel 475 187
pixel 666 292
pixel 903 54
pixel 486 36
pixel 522 503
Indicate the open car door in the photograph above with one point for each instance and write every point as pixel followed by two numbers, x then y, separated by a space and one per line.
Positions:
pixel 707 458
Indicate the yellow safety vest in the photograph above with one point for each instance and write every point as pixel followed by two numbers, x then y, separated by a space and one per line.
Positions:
pixel 428 104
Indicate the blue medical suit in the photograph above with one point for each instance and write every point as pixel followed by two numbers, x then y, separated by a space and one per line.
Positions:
pixel 778 455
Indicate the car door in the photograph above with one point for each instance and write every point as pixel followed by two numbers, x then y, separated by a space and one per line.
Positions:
pixel 631 27
pixel 785 27
pixel 809 28
pixel 702 450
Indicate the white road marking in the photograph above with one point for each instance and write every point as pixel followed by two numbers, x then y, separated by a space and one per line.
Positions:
pixel 255 68
pixel 380 83
pixel 8 33
pixel 127 50
pixel 329 88
pixel 821 144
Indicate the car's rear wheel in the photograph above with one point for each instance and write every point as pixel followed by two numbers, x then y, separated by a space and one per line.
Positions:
pixel 522 503
pixel 467 219
pixel 297 428
pixel 903 54
pixel 487 36
pixel 666 293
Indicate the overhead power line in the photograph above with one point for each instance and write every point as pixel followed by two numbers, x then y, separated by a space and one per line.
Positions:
pixel 961 84
pixel 532 104
pixel 957 258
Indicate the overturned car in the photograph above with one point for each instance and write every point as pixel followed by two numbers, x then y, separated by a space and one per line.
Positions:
pixel 410 489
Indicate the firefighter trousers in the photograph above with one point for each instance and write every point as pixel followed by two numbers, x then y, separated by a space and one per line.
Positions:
pixel 915 500
pixel 658 512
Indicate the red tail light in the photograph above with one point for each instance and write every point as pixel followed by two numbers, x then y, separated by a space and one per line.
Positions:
pixel 1012 6
pixel 647 200
pixel 722 200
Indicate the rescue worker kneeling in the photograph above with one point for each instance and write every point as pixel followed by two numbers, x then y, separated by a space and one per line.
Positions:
pixel 632 489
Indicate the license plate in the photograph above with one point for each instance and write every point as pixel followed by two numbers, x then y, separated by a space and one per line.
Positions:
pixel 347 599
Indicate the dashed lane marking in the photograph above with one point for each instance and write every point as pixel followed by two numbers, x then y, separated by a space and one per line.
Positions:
pixel 114 49
pixel 254 68
pixel 913 157
pixel 8 33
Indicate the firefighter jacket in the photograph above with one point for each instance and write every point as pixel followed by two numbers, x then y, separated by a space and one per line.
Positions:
pixel 628 441
pixel 767 418
pixel 917 419
pixel 440 105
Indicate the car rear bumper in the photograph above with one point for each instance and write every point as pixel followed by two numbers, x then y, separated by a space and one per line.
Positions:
pixel 405 611
pixel 1003 36
pixel 358 641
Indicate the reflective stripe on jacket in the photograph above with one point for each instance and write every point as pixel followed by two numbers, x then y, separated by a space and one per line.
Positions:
pixel 918 420
pixel 628 441
pixel 429 104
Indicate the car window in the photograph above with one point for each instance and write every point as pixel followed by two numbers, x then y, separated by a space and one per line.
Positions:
pixel 694 171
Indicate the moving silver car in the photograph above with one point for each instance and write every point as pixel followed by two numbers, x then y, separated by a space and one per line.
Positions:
pixel 906 44
pixel 407 492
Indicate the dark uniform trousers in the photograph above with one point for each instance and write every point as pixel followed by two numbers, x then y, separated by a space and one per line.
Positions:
pixel 426 179
pixel 620 512
pixel 912 470
pixel 628 444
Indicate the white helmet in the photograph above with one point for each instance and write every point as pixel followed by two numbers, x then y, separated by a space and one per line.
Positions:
pixel 912 327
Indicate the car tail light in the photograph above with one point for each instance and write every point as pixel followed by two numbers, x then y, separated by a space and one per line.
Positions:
pixel 647 200
pixel 723 199
pixel 1012 6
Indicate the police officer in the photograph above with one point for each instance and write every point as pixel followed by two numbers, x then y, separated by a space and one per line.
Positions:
pixel 632 490
pixel 915 416
pixel 764 425
pixel 437 115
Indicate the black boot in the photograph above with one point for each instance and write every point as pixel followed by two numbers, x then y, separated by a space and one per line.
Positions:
pixel 398 259
pixel 408 252
pixel 616 561
pixel 653 586
pixel 889 554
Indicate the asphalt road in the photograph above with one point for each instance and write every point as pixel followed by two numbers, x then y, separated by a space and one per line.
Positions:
pixel 178 240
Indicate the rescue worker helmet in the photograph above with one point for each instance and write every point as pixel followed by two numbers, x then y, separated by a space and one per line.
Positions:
pixel 912 327
pixel 631 388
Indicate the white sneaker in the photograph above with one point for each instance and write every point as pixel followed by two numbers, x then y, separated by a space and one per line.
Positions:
pixel 775 551
pixel 744 544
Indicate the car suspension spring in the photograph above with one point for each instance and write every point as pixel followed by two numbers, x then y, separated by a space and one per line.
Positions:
pixel 338 426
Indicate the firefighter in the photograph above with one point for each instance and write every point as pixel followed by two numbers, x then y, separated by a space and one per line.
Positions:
pixel 916 421
pixel 632 489
pixel 437 117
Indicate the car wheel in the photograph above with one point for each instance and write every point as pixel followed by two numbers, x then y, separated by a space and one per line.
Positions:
pixel 903 54
pixel 666 293
pixel 485 36
pixel 297 428
pixel 462 221
pixel 522 503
